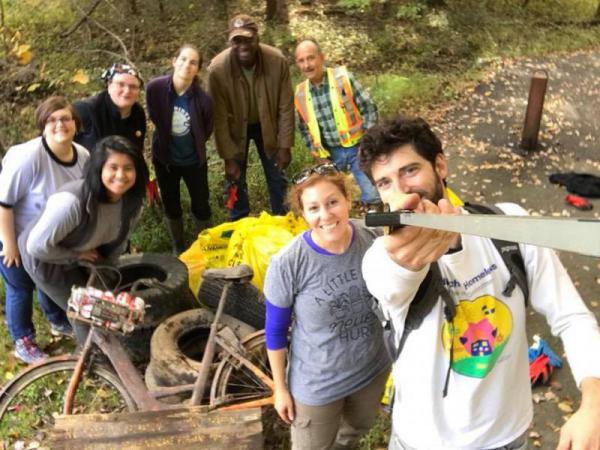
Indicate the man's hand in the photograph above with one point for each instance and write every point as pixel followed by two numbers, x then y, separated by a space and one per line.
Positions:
pixel 283 158
pixel 415 247
pixel 582 430
pixel 10 254
pixel 284 404
pixel 232 170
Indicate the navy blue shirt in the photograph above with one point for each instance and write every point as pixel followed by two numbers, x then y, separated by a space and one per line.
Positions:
pixel 183 151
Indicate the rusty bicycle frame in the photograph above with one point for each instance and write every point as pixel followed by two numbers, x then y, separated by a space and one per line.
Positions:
pixel 148 400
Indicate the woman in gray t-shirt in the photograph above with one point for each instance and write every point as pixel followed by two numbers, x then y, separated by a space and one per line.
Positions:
pixel 31 172
pixel 86 220
pixel 337 364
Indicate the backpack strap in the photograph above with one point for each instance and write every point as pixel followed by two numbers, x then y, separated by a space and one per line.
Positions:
pixel 430 290
pixel 510 253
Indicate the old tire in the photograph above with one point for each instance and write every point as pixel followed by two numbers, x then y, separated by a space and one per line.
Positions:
pixel 167 297
pixel 244 301
pixel 178 344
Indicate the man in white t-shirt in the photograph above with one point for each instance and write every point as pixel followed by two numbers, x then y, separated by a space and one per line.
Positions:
pixel 462 381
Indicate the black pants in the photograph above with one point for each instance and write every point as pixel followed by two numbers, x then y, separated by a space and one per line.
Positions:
pixel 276 179
pixel 195 178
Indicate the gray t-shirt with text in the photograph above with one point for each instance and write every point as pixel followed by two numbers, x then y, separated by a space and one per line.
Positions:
pixel 336 344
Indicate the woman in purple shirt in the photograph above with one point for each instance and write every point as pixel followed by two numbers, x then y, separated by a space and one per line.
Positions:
pixel 182 113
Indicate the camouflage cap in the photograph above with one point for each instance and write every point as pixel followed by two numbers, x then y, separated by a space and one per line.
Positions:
pixel 242 25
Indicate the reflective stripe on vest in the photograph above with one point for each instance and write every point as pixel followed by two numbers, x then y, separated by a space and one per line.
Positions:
pixel 345 112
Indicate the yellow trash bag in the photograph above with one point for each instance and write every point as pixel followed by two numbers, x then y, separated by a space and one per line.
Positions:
pixel 251 241
pixel 254 242
pixel 207 252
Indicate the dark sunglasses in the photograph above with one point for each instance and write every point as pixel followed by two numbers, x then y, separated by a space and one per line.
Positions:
pixel 321 169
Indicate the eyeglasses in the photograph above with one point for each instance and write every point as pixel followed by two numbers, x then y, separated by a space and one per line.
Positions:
pixel 321 169
pixel 123 85
pixel 54 120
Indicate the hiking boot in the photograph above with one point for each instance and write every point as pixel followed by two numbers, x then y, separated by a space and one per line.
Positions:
pixel 61 329
pixel 28 351
pixel 175 227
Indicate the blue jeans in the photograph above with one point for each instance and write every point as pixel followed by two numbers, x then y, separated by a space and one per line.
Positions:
pixel 347 157
pixel 19 287
pixel 276 180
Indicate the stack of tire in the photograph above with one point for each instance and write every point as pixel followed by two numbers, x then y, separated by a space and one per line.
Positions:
pixel 178 343
pixel 169 295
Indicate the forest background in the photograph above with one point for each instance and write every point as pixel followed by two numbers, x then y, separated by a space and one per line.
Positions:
pixel 417 57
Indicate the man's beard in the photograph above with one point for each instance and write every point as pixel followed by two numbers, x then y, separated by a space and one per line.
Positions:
pixel 435 195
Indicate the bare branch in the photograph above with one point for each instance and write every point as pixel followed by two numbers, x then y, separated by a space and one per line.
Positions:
pixel 83 18
pixel 125 55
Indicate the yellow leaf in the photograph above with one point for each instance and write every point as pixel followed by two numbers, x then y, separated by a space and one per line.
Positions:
pixel 25 57
pixel 9 375
pixel 32 87
pixel 81 77
pixel 20 49
pixel 565 406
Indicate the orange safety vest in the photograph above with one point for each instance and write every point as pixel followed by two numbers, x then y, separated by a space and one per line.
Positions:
pixel 347 117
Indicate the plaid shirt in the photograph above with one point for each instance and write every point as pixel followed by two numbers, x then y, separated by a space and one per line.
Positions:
pixel 324 112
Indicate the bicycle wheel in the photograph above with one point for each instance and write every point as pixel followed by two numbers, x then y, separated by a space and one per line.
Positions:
pixel 29 402
pixel 235 383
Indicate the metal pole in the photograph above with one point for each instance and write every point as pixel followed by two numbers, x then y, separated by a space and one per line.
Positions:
pixel 535 105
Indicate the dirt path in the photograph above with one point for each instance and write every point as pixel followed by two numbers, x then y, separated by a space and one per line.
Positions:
pixel 481 136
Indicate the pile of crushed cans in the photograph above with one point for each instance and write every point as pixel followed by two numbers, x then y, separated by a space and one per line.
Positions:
pixel 121 313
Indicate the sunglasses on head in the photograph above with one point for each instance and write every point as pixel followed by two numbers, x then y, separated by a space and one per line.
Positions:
pixel 321 169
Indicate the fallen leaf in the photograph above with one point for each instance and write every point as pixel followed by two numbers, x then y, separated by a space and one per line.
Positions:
pixel 549 395
pixel 537 443
pixel 81 77
pixel 534 434
pixel 23 53
pixel 25 58
pixel 33 87
pixel 566 406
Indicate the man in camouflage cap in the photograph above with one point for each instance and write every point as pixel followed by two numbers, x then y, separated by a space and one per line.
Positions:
pixel 252 93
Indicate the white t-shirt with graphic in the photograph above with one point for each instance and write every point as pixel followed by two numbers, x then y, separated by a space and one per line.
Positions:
pixel 489 395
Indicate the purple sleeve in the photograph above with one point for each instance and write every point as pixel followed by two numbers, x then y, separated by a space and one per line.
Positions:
pixel 277 323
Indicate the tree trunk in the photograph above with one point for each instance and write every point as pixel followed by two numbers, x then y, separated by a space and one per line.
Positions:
pixel 276 11
pixel 3 29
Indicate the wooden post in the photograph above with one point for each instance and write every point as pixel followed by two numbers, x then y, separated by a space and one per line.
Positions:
pixel 535 106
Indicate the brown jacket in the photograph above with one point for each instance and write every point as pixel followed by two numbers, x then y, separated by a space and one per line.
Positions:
pixel 274 96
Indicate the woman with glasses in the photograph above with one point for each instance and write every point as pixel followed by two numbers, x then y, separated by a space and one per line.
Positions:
pixel 31 172
pixel 183 116
pixel 338 365
pixel 86 220
pixel 114 111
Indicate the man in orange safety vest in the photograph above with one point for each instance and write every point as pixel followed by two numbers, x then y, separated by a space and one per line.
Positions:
pixel 333 112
